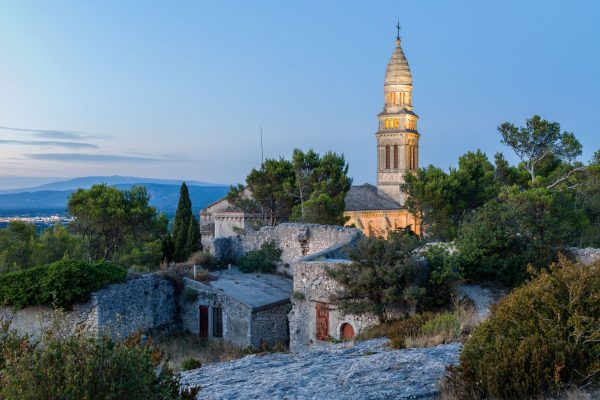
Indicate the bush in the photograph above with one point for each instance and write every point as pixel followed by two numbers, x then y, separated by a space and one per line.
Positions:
pixel 203 258
pixel 397 331
pixel 59 285
pixel 444 269
pixel 190 363
pixel 542 337
pixel 189 295
pixel 78 367
pixel 264 259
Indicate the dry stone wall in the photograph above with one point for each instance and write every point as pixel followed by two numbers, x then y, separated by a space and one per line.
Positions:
pixel 270 325
pixel 142 304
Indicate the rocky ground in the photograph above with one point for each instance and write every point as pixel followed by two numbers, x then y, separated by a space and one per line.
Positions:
pixel 367 370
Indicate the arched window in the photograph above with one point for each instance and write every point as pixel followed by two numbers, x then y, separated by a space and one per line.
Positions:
pixel 409 151
pixel 387 123
pixel 395 156
pixel 397 122
pixel 346 331
pixel 387 156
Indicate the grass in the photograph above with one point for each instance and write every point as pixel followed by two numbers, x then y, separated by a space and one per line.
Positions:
pixel 178 348
pixel 425 329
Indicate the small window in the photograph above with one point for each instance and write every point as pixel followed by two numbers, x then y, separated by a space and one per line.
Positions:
pixel 217 322
pixel 395 156
pixel 387 157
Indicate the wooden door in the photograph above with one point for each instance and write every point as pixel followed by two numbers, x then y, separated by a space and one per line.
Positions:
pixel 203 321
pixel 347 332
pixel 322 321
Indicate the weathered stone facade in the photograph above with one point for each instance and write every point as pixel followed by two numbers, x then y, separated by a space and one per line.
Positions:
pixel 245 322
pixel 142 304
pixel 313 288
pixel 296 241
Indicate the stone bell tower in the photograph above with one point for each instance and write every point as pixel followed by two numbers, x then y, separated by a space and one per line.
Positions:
pixel 397 136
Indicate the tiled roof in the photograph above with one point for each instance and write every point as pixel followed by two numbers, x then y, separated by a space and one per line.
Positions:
pixel 366 197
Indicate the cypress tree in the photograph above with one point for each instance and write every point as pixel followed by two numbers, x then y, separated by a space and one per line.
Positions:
pixel 181 225
pixel 193 237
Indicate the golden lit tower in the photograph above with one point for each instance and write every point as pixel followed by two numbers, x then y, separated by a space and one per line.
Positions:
pixel 397 136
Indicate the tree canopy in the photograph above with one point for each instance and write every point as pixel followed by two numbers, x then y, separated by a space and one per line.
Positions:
pixel 308 188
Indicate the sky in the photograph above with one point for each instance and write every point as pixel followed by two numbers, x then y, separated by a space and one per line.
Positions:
pixel 181 90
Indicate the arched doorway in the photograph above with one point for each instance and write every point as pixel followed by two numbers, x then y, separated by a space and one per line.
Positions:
pixel 347 332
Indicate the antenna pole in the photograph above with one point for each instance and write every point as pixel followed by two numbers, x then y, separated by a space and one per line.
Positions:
pixel 262 154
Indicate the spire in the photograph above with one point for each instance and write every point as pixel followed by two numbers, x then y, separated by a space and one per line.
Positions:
pixel 398 35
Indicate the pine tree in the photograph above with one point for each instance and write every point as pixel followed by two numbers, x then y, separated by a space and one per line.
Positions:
pixel 181 225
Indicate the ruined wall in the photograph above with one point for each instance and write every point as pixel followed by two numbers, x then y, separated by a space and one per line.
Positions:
pixel 144 304
pixel 271 325
pixel 312 284
pixel 296 241
pixel 237 317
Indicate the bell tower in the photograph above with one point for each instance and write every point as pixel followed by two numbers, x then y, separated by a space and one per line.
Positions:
pixel 397 136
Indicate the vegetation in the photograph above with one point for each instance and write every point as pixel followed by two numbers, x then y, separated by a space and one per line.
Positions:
pixel 264 259
pixel 186 231
pixel 78 367
pixel 190 363
pixel 542 337
pixel 310 188
pixel 383 275
pixel 108 218
pixel 21 246
pixel 60 284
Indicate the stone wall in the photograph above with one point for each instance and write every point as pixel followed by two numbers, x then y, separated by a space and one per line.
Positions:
pixel 312 285
pixel 144 304
pixel 242 325
pixel 270 325
pixel 296 241
pixel 237 316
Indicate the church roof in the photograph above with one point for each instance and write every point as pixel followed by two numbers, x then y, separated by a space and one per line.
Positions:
pixel 398 72
pixel 367 197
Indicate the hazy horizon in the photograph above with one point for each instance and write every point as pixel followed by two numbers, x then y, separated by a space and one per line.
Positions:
pixel 171 91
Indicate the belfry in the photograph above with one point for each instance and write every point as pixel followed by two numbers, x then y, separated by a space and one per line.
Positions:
pixel 397 136
pixel 376 209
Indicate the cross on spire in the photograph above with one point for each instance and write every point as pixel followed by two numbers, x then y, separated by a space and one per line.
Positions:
pixel 398 27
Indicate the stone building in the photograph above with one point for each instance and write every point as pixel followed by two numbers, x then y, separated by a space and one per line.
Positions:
pixel 314 318
pixel 378 209
pixel 223 219
pixel 245 309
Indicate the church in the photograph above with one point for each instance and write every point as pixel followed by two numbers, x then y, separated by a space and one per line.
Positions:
pixel 373 209
pixel 376 209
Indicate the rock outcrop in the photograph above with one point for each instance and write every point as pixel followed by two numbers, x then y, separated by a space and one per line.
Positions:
pixel 367 370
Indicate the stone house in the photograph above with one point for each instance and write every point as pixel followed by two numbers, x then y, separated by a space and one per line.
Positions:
pixel 314 318
pixel 245 309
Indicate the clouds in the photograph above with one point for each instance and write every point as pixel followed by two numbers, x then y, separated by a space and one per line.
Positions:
pixel 95 158
pixel 51 143
pixel 74 140
pixel 57 134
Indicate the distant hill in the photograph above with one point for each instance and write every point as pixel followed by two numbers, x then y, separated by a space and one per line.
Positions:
pixel 162 196
pixel 87 181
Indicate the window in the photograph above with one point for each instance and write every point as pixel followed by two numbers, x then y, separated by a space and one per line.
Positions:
pixel 217 322
pixel 387 156
pixel 395 156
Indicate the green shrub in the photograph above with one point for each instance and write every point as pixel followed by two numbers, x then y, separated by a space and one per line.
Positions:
pixel 398 330
pixel 541 337
pixel 190 363
pixel 444 269
pixel 445 324
pixel 78 367
pixel 59 285
pixel 189 294
pixel 297 295
pixel 264 259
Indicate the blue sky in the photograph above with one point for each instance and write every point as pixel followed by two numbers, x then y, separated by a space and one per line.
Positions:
pixel 179 89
